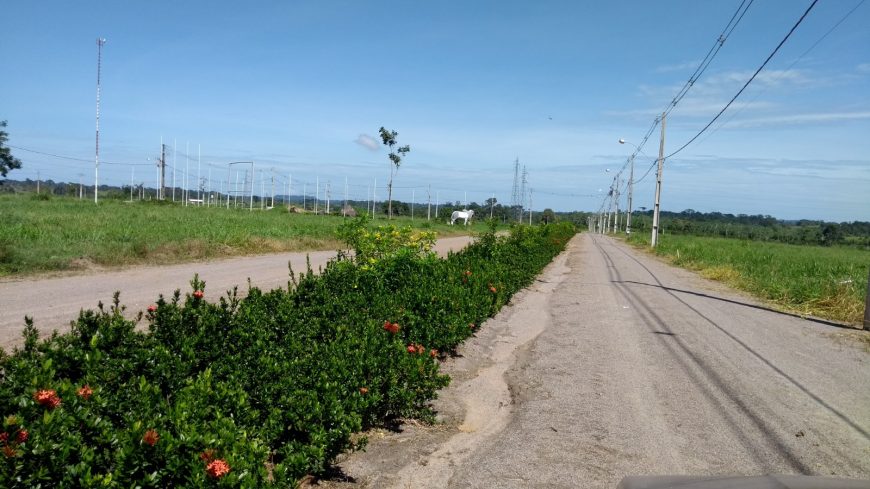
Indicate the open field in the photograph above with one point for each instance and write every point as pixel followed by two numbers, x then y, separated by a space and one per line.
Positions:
pixel 63 234
pixel 828 282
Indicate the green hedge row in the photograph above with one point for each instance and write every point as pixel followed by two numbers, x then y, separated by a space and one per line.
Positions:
pixel 253 391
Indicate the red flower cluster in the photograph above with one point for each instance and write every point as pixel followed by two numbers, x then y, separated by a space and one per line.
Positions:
pixel 47 398
pixel 85 392
pixel 150 437
pixel 433 353
pixel 468 273
pixel 152 308
pixel 198 294
pixel 363 390
pixel 21 436
pixel 217 468
pixel 492 289
pixel 415 348
pixel 391 327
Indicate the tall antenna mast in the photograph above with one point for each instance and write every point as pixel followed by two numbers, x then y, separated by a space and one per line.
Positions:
pixel 100 43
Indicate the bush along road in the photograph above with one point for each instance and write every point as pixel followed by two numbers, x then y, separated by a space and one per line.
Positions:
pixel 261 390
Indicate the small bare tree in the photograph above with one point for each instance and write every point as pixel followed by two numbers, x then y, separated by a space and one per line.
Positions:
pixel 389 139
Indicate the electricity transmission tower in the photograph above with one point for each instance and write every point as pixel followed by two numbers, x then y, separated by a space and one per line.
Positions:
pixel 516 199
pixel 523 183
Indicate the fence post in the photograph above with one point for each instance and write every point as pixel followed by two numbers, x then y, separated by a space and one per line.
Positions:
pixel 867 305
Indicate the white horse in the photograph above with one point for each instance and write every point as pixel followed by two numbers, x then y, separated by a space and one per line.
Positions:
pixel 466 214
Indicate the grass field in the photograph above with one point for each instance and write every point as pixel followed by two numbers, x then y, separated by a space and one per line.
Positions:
pixel 828 282
pixel 70 234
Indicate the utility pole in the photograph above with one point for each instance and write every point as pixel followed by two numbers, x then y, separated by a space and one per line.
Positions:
pixel 616 201
pixel 37 182
pixel 100 43
pixel 630 191
pixel 185 194
pixel 162 170
pixel 491 206
pixel 655 229
pixel 81 189
pixel 516 199
pixel 867 306
pixel 199 173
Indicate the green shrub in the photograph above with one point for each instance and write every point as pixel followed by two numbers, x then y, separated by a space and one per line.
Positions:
pixel 273 385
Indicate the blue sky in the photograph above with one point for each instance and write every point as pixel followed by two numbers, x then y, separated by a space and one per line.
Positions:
pixel 301 88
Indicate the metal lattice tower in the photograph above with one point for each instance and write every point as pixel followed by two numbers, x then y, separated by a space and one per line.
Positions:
pixel 522 202
pixel 516 199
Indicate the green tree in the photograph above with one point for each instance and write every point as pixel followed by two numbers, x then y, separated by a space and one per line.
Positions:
pixel 7 161
pixel 831 234
pixel 548 216
pixel 389 139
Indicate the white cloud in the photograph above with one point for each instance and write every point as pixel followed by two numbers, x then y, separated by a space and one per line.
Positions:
pixel 367 142
pixel 863 68
pixel 795 119
pixel 688 65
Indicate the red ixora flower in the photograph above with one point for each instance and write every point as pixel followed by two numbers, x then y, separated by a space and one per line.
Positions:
pixel 391 327
pixel 152 308
pixel 433 353
pixel 9 451
pixel 3 437
pixel 150 437
pixel 468 273
pixel 85 392
pixel 47 398
pixel 492 289
pixel 207 455
pixel 363 390
pixel 217 468
pixel 198 294
pixel 412 348
pixel 22 435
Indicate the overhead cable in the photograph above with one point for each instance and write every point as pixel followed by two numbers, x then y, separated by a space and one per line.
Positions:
pixel 769 57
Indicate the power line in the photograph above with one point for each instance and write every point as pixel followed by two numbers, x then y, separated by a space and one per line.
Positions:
pixel 711 54
pixel 748 81
pixel 74 158
pixel 781 74
pixel 735 19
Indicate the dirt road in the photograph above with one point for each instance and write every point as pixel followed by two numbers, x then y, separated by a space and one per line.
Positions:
pixel 616 364
pixel 54 302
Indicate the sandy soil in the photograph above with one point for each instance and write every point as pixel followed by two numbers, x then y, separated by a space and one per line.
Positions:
pixel 616 364
pixel 54 302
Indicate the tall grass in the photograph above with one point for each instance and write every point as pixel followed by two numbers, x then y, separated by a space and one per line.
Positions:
pixel 40 235
pixel 828 282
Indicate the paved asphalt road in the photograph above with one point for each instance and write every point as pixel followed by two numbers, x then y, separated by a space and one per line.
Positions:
pixel 638 368
pixel 54 302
